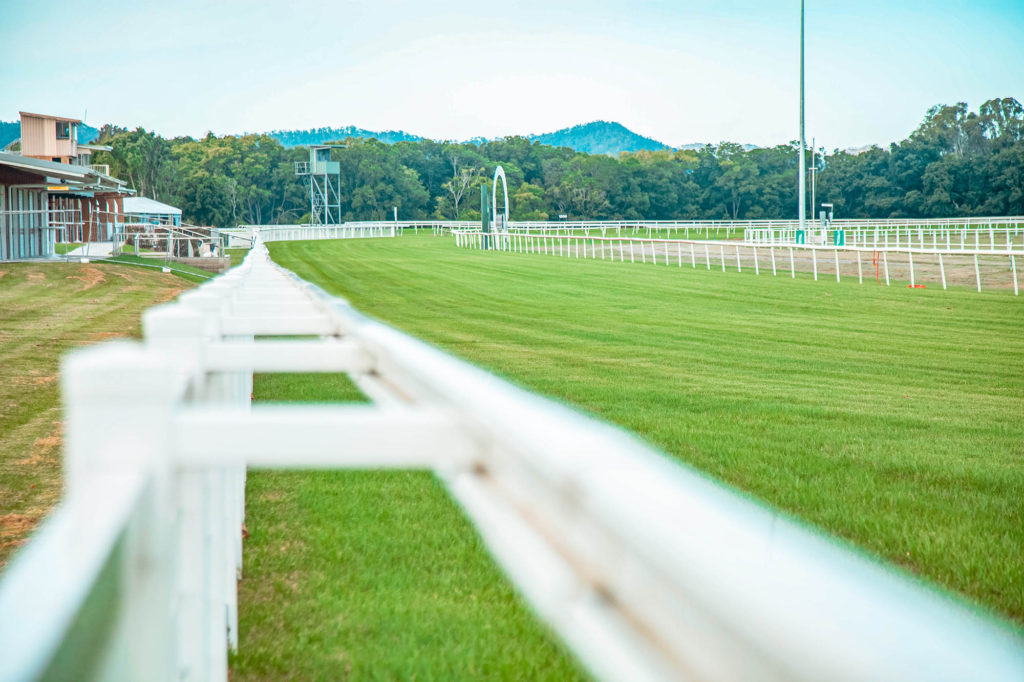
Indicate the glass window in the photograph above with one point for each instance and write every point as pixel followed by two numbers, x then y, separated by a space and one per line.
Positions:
pixel 63 130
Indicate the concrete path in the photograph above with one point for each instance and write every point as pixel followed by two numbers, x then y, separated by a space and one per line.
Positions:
pixel 94 250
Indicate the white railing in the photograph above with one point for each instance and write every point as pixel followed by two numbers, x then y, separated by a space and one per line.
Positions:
pixel 644 567
pixel 1006 236
pixel 741 229
pixel 803 257
pixel 292 233
pixel 387 228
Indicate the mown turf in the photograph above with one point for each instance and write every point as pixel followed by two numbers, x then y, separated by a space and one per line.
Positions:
pixel 373 575
pixel 45 311
pixel 887 416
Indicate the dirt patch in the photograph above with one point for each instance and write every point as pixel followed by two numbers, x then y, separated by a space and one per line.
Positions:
pixel 89 276
pixel 103 336
pixel 43 449
pixel 36 276
pixel 16 524
pixel 33 380
pixel 15 528
pixel 2 273
pixel 170 294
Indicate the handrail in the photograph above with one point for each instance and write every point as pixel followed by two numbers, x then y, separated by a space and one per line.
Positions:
pixel 648 570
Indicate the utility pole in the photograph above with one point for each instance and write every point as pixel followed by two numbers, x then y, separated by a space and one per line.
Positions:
pixel 803 169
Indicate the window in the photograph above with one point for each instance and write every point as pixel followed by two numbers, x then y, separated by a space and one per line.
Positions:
pixel 63 130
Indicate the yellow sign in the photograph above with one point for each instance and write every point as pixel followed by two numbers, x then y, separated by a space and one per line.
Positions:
pixel 57 188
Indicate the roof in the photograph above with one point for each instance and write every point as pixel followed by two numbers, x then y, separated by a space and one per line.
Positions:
pixel 82 177
pixel 148 206
pixel 56 118
pixel 50 169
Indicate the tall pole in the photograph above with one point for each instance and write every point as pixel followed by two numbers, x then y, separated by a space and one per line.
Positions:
pixel 803 169
pixel 814 171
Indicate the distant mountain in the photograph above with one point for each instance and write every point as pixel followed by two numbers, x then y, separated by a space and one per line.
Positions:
pixel 599 137
pixel 313 136
pixel 700 145
pixel 596 137
pixel 854 151
pixel 87 134
pixel 11 130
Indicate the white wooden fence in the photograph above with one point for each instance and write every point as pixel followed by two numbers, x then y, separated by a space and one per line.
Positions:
pixel 646 569
pixel 753 229
pixel 993 236
pixel 791 257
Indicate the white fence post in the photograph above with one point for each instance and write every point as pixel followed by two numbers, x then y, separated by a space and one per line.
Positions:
pixel 118 400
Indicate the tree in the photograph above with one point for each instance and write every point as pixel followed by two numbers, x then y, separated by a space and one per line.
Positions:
pixel 463 180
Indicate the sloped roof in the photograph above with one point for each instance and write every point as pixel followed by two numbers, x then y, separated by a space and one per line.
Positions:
pixel 50 116
pixel 50 169
pixel 148 206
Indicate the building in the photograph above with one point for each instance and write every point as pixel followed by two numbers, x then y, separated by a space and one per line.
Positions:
pixel 43 202
pixel 51 138
pixel 151 212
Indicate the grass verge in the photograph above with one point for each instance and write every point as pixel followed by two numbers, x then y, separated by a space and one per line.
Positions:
pixel 888 417
pixel 45 311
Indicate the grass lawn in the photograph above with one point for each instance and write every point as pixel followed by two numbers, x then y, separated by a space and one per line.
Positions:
pixel 374 575
pixel 187 272
pixel 889 417
pixel 65 247
pixel 45 311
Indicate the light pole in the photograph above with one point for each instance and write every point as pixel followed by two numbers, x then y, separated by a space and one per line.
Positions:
pixel 803 168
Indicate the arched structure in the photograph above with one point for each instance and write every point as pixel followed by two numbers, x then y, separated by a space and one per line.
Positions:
pixel 499 172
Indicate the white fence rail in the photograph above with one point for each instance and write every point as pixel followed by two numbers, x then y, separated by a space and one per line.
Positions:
pixel 736 229
pixel 1004 237
pixel 754 231
pixel 956 266
pixel 645 568
pixel 358 228
pixel 291 233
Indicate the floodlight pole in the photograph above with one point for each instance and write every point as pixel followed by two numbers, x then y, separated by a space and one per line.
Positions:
pixel 803 169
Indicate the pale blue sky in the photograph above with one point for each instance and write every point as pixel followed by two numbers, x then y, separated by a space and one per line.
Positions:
pixel 677 71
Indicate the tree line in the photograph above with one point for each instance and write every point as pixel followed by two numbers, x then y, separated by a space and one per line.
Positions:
pixel 956 163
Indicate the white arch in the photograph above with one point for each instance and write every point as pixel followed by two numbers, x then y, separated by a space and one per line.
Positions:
pixel 499 172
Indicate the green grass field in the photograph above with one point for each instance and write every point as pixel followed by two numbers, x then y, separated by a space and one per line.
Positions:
pixel 374 575
pixel 64 247
pixel 888 417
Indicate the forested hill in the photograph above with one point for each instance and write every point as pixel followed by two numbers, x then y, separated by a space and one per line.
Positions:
pixel 597 137
pixel 313 136
pixel 600 137
pixel 11 130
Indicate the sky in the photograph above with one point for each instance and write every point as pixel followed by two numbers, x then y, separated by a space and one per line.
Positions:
pixel 678 71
